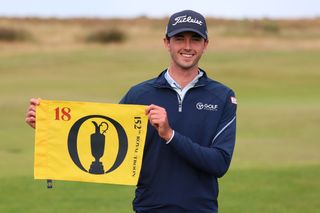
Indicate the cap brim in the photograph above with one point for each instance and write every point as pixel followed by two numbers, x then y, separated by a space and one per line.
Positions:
pixel 175 32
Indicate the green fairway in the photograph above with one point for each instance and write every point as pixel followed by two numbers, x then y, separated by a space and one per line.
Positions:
pixel 276 164
pixel 278 190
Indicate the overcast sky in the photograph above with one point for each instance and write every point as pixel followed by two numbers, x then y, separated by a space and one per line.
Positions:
pixel 161 8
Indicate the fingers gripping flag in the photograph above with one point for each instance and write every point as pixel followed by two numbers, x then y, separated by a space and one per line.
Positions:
pixel 91 142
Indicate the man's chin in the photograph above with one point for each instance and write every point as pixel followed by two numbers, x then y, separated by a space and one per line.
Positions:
pixel 187 67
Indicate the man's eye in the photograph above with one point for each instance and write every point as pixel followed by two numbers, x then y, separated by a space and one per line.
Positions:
pixel 196 38
pixel 179 38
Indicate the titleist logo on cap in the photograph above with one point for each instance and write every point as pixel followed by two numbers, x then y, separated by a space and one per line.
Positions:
pixel 183 19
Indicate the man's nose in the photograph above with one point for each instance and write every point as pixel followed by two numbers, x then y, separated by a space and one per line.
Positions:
pixel 187 44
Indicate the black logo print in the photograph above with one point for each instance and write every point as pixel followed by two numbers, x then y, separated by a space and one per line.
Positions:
pixel 97 144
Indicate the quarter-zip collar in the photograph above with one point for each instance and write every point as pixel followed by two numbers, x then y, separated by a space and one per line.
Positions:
pixel 161 81
pixel 182 91
pixel 176 85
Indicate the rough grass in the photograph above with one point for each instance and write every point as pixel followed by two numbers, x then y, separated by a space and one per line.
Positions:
pixel 106 36
pixel 9 34
pixel 148 33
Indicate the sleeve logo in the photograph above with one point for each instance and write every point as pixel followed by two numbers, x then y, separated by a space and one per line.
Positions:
pixel 233 100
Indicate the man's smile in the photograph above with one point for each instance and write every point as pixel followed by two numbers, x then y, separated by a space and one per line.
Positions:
pixel 187 55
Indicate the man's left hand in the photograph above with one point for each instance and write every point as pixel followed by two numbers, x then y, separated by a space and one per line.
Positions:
pixel 159 120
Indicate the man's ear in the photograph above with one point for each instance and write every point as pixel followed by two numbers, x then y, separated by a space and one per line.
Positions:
pixel 166 42
pixel 206 42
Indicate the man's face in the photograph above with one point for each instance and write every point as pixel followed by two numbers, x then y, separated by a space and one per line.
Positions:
pixel 186 49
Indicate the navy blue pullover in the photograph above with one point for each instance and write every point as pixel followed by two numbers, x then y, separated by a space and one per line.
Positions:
pixel 182 176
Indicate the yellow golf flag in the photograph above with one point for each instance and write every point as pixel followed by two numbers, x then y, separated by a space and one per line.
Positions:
pixel 91 142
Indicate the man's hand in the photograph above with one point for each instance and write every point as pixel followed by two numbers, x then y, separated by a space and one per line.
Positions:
pixel 159 120
pixel 31 113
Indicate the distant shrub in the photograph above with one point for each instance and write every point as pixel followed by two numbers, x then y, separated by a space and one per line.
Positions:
pixel 258 27
pixel 106 36
pixel 12 34
pixel 270 27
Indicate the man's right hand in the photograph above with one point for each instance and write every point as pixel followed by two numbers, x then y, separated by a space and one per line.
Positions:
pixel 31 113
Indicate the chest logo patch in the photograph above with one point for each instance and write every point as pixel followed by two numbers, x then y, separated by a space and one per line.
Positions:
pixel 208 107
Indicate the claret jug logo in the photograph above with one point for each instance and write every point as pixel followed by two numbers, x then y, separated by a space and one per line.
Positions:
pixel 82 149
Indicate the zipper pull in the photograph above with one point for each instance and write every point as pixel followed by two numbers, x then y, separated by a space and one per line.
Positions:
pixel 180 107
pixel 179 103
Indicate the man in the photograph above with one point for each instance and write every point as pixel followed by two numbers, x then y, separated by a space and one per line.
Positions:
pixel 191 131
